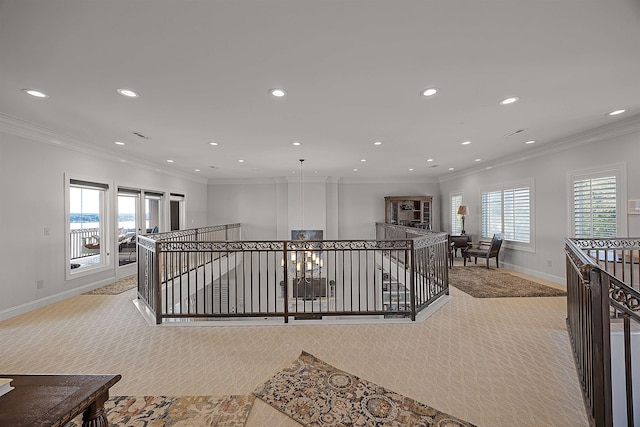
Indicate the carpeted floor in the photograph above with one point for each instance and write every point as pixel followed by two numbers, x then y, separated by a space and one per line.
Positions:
pixel 480 282
pixel 116 287
pixel 498 362
pixel 165 411
pixel 315 393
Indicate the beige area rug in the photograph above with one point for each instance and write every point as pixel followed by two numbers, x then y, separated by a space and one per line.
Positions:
pixel 116 287
pixel 315 393
pixel 480 282
pixel 184 411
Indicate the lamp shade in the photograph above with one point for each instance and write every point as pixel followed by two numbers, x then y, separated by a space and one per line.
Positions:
pixel 463 210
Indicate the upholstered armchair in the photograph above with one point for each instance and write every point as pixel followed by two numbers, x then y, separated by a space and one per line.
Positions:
pixel 485 250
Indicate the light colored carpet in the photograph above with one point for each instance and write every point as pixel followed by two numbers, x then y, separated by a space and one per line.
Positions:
pixel 481 282
pixel 498 362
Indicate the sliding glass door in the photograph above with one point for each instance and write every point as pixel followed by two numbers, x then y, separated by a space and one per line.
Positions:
pixel 152 212
pixel 128 218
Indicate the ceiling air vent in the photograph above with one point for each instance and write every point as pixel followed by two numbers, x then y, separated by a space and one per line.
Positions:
pixel 515 132
pixel 140 135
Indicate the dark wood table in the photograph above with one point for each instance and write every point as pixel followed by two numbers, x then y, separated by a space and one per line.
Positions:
pixel 54 400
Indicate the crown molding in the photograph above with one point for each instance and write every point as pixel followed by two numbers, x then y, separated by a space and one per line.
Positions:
pixel 390 180
pixel 24 129
pixel 620 128
pixel 320 179
pixel 270 180
pixel 245 181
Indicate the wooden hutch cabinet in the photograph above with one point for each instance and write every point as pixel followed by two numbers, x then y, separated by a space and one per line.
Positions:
pixel 410 211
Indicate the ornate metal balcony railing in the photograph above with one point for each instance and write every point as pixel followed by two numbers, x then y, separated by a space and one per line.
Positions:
pixel 210 274
pixel 603 310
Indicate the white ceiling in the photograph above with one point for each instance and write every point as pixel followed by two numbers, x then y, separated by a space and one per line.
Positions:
pixel 352 69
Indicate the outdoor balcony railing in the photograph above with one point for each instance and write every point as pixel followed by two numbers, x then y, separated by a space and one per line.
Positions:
pixel 80 238
pixel 210 273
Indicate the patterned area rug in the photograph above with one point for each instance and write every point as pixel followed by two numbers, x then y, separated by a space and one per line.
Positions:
pixel 314 393
pixel 116 287
pixel 480 282
pixel 184 411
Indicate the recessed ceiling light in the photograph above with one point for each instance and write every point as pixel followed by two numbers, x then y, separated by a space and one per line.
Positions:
pixel 278 93
pixel 489 167
pixel 477 160
pixel 35 93
pixel 616 112
pixel 128 93
pixel 297 143
pixel 240 161
pixel 355 169
pixel 119 143
pixel 530 142
pixel 508 101
pixel 429 92
pixel 450 169
pixel 169 161
pixel 363 160
pixel 466 143
pixel 213 143
pixel 410 169
pixel 196 170
pixel 377 143
pixel 429 160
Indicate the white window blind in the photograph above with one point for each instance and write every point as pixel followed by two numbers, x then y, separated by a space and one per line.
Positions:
pixel 517 214
pixel 507 211
pixel 456 220
pixel 594 207
pixel 491 213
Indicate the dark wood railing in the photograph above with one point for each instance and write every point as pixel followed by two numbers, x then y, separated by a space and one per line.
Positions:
pixel 210 273
pixel 603 309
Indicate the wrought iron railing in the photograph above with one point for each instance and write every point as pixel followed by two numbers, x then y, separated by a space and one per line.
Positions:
pixel 194 274
pixel 603 313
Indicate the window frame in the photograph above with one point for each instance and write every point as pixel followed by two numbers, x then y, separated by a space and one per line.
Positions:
pixel 71 181
pixel 456 219
pixel 133 193
pixel 502 188
pixel 619 171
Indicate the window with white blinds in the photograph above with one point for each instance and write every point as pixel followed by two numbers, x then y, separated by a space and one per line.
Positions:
pixel 595 207
pixel 456 220
pixel 507 211
pixel 517 215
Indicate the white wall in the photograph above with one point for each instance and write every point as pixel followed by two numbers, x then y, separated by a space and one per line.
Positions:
pixel 362 204
pixel 549 170
pixel 32 188
pixel 344 209
pixel 256 204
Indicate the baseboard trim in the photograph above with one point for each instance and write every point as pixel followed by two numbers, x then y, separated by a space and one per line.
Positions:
pixel 51 299
pixel 560 280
